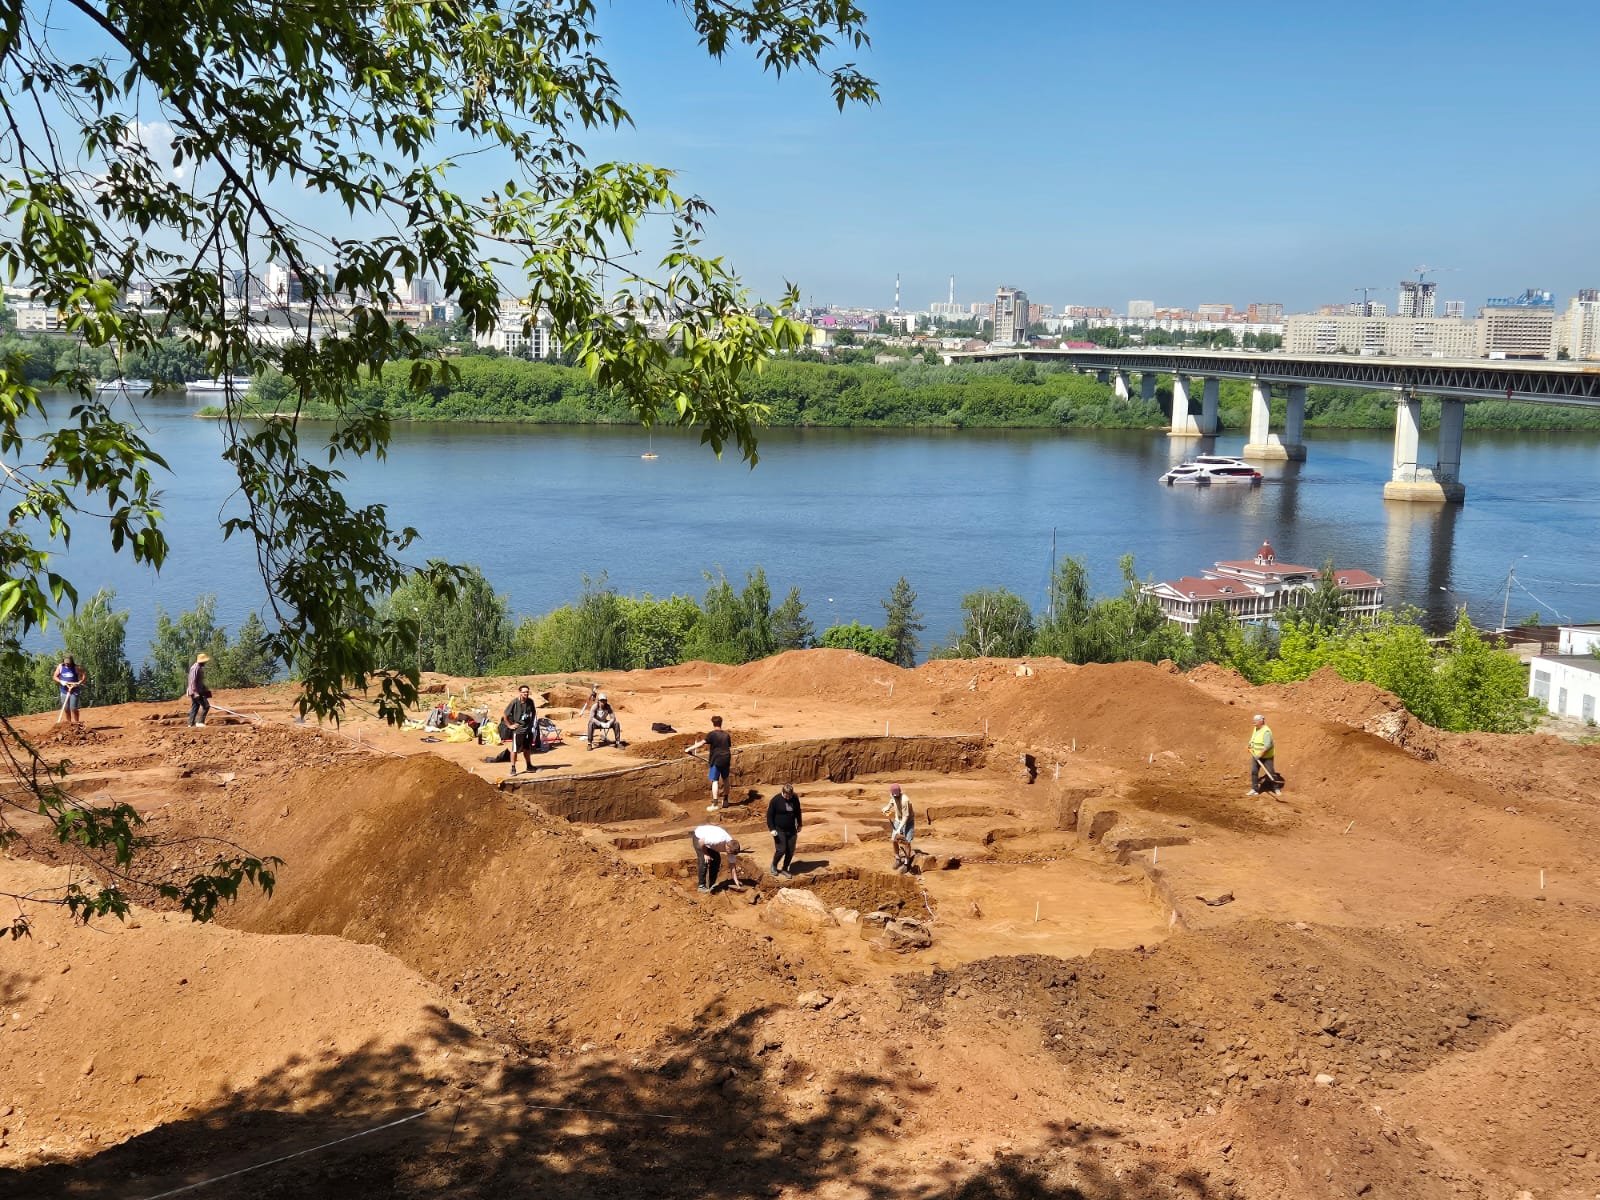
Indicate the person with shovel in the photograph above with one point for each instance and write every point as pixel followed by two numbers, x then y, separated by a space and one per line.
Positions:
pixel 1262 750
pixel 902 828
pixel 69 677
pixel 719 753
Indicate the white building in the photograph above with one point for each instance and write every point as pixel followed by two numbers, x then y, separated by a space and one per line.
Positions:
pixel 1256 590
pixel 1141 308
pixel 1417 298
pixel 1524 327
pixel 1568 683
pixel 1578 330
pixel 1010 317
pixel 519 332
pixel 1401 337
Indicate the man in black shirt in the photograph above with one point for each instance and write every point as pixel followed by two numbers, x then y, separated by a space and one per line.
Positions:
pixel 522 718
pixel 783 819
pixel 719 750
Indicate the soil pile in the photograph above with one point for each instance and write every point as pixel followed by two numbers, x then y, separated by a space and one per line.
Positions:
pixel 109 1031
pixel 550 941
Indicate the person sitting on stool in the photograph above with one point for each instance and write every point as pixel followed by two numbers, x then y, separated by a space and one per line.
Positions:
pixel 603 719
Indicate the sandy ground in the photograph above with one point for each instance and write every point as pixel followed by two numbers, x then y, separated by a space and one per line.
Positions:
pixel 1114 973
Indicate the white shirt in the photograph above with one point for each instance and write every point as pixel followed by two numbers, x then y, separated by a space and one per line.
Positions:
pixel 712 835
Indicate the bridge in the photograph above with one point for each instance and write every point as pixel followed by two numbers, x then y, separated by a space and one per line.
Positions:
pixel 1456 383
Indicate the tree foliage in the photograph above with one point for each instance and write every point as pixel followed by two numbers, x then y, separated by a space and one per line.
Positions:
pixel 902 622
pixel 863 639
pixel 186 148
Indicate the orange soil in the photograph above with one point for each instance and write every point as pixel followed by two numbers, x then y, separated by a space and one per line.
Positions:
pixel 1389 1004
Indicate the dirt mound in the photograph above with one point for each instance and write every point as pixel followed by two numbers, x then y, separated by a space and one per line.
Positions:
pixel 495 903
pixel 1523 1108
pixel 118 1028
pixel 1314 1143
pixel 817 673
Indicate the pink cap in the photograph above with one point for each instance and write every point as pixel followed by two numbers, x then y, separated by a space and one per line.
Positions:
pixel 894 789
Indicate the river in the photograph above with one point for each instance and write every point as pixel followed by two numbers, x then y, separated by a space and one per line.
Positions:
pixel 843 513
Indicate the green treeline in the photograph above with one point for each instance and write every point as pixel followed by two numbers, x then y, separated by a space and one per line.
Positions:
pixel 905 393
pixel 96 637
pixel 469 631
pixel 1463 684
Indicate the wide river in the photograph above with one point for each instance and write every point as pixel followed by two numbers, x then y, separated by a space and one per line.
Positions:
pixel 842 514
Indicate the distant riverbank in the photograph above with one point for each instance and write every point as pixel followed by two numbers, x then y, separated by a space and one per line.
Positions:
pixel 909 394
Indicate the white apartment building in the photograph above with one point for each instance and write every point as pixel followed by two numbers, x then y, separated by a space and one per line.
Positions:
pixel 1400 337
pixel 1141 308
pixel 1519 331
pixel 1578 330
pixel 1010 317
pixel 520 332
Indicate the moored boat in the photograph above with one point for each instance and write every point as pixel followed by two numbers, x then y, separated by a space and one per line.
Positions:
pixel 237 384
pixel 133 388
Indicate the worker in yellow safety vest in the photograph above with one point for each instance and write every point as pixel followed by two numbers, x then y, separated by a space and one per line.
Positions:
pixel 1261 752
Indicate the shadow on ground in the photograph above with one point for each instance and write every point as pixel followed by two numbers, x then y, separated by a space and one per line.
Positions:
pixel 702 1120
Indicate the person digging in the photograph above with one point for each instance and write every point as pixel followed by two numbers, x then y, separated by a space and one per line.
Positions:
pixel 1262 758
pixel 902 828
pixel 710 843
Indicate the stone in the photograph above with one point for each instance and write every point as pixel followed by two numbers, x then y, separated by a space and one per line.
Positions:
pixel 1324 1080
pixel 797 908
pixel 907 935
pixel 812 999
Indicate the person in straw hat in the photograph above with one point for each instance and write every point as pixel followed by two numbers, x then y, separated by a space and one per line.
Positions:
pixel 197 691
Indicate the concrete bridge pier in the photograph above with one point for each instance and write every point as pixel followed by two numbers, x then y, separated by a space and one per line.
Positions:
pixel 1119 385
pixel 1208 406
pixel 1183 423
pixel 1410 480
pixel 1147 385
pixel 1263 443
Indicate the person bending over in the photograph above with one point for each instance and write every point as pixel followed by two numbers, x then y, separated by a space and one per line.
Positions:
pixel 710 843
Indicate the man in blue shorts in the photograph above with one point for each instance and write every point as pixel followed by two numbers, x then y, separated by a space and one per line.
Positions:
pixel 719 751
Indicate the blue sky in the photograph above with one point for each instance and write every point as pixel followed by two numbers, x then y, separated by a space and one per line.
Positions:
pixel 1181 153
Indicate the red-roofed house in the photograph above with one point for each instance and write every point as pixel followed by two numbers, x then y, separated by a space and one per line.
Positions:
pixel 1257 589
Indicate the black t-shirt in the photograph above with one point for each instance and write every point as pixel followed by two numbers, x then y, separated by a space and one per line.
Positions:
pixel 520 712
pixel 720 746
pixel 783 813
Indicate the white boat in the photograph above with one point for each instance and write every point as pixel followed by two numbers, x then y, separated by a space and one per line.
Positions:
pixel 132 388
pixel 206 388
pixel 1206 469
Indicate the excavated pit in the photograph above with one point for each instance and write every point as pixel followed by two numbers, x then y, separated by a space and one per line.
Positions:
pixel 663 789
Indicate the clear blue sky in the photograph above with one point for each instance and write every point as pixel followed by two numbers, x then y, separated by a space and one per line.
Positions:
pixel 1181 153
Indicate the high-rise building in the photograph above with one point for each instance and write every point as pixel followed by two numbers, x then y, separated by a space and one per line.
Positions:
pixel 1265 312
pixel 1579 327
pixel 1416 298
pixel 1456 310
pixel 1010 316
pixel 1141 308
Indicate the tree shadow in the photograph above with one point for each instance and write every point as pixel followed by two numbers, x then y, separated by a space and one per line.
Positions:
pixel 720 1111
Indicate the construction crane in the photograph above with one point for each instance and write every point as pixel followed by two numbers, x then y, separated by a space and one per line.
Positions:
pixel 1366 303
pixel 1425 270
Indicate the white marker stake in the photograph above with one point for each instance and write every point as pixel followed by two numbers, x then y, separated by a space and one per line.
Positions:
pixel 1035 912
pixel 886 729
pixel 1058 770
pixel 1155 854
pixel 1074 745
pixel 846 829
pixel 1349 827
pixel 1152 759
pixel 1541 879
pixel 891 689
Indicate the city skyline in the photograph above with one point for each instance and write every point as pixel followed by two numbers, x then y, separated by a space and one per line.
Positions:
pixel 1271 155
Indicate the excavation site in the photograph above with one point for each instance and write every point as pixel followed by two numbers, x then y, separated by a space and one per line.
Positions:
pixel 1100 967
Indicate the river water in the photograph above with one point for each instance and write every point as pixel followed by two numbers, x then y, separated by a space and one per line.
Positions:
pixel 843 513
